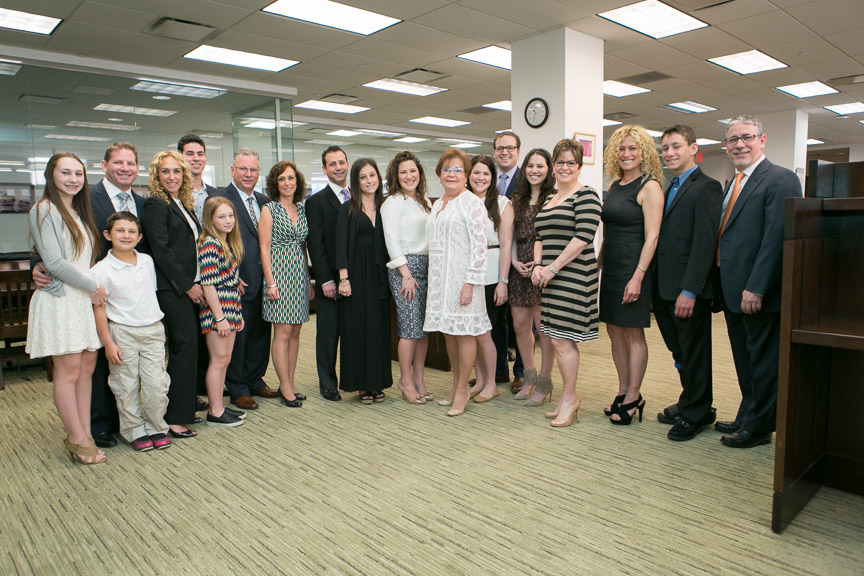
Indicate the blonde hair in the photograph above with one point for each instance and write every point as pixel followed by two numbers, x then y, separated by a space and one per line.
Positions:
pixel 156 188
pixel 232 244
pixel 650 165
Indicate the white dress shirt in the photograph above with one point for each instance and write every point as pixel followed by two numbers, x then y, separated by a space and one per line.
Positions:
pixel 404 223
pixel 747 173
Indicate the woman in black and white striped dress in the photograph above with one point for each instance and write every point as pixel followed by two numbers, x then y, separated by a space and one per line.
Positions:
pixel 568 271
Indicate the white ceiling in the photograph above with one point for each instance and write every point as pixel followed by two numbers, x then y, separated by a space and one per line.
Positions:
pixel 818 39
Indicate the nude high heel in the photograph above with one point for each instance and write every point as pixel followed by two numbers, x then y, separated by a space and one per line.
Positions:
pixel 559 423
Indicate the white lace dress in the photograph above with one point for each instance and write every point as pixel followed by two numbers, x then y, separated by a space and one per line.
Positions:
pixel 457 255
pixel 58 325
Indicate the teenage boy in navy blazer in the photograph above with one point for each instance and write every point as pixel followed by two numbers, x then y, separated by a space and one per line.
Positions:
pixel 192 147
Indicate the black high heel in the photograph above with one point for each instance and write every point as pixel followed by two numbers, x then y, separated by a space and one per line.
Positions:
pixel 296 403
pixel 624 415
pixel 299 396
pixel 614 406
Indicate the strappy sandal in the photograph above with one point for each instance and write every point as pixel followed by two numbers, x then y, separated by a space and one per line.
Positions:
pixel 366 398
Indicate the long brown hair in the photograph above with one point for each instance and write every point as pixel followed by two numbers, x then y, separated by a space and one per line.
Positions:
pixel 81 204
pixel 232 244
pixel 491 199
pixel 355 205
pixel 522 194
pixel 393 186
pixel 156 188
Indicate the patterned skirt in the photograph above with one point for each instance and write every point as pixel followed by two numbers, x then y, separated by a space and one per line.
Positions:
pixel 229 300
pixel 410 314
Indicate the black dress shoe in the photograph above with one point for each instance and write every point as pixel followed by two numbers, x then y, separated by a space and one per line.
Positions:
pixel 670 415
pixel 745 439
pixel 332 395
pixel 683 430
pixel 727 427
pixel 106 440
pixel 184 434
pixel 201 405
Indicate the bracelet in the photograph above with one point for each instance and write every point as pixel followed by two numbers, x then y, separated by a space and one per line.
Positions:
pixel 640 268
pixel 554 272
pixel 535 264
pixel 343 280
pixel 504 280
pixel 404 278
pixel 220 319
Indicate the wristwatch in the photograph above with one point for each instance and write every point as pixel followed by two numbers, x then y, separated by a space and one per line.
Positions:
pixel 504 280
pixel 551 269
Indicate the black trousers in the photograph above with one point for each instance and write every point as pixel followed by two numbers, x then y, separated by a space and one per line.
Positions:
pixel 103 405
pixel 501 339
pixel 326 340
pixel 251 352
pixel 755 340
pixel 689 341
pixel 182 330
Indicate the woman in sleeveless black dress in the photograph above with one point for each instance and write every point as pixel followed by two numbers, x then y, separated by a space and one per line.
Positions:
pixel 632 213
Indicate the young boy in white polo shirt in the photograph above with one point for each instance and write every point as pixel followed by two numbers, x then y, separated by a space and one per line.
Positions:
pixel 130 327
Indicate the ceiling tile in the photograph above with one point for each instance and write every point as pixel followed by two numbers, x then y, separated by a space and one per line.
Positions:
pixel 348 61
pixel 841 15
pixel 218 14
pixel 766 30
pixel 699 72
pixel 851 41
pixel 281 28
pixel 833 68
pixel 388 52
pixel 423 37
pixel 402 9
pixel 654 55
pixel 706 43
pixel 257 44
pixel 537 14
pixel 473 24
pixel 729 11
pixel 107 16
pixel 112 44
pixel 615 37
pixel 807 51
pixel 614 68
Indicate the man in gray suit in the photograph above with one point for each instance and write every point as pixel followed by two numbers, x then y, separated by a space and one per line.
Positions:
pixel 749 256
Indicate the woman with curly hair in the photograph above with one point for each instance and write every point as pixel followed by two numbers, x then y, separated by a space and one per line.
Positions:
pixel 632 214
pixel 172 230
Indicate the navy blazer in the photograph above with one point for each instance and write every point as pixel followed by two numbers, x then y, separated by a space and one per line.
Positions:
pixel 751 247
pixel 250 266
pixel 103 208
pixel 322 214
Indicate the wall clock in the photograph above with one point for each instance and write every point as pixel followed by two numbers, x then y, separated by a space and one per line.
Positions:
pixel 536 112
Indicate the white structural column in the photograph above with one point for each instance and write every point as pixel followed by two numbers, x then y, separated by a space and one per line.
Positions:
pixel 787 140
pixel 565 68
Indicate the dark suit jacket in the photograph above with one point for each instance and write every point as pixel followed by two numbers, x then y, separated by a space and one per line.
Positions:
pixel 688 238
pixel 103 208
pixel 322 214
pixel 751 247
pixel 250 267
pixel 511 185
pixel 173 245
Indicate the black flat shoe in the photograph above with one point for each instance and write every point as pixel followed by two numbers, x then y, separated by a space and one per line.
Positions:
pixel 201 405
pixel 727 427
pixel 684 430
pixel 744 439
pixel 296 403
pixel 106 440
pixel 186 434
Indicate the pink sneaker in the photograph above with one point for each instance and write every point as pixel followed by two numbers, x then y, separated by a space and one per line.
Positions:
pixel 160 441
pixel 142 444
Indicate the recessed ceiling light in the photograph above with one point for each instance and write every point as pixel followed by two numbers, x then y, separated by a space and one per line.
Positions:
pixel 135 110
pixel 331 107
pixel 724 121
pixel 860 121
pixel 344 133
pixel 491 56
pixel 467 145
pixel 459 142
pixel 11 163
pixel 853 108
pixel 439 121
pixel 379 132
pixel 102 126
pixel 264 125
pixel 654 133
pixel 178 89
pixel 5 170
pixel 653 19
pixel 814 141
pixel 505 130
pixel 40 126
pixel 161 97
pixel 610 122
pixel 807 89
pixel 620 89
pixel 329 143
pixel 26 22
pixel 74 137
pixel 115 119
pixel 404 87
pixel 505 105
pixel 410 140
pixel 693 107
pixel 706 141
pixel 748 62
pixel 216 135
pixel 9 68
pixel 239 58
pixel 332 15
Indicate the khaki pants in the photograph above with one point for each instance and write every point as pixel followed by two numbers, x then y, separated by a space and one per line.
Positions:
pixel 140 383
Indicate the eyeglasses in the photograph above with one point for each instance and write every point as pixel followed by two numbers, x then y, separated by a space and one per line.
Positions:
pixel 562 163
pixel 453 169
pixel 507 148
pixel 244 170
pixel 746 138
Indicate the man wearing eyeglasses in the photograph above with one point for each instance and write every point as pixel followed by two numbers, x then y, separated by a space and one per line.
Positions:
pixel 251 353
pixel 749 257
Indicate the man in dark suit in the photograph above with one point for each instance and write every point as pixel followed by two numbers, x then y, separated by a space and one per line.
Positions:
pixel 749 256
pixel 112 194
pixel 322 211
pixel 251 353
pixel 683 280
pixel 192 147
pixel 505 150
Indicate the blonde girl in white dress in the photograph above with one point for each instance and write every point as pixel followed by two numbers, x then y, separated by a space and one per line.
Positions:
pixel 61 322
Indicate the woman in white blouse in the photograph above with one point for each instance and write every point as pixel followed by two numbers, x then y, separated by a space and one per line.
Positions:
pixel 404 215
pixel 499 236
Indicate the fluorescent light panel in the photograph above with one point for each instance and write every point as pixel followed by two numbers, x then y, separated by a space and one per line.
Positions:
pixel 610 122
pixel 404 87
pixel 620 89
pixel 807 89
pixel 748 62
pixel 379 132
pixel 842 109
pixel 491 56
pixel 332 15
pixel 75 137
pixel 706 141
pixel 178 89
pixel 268 125
pixel 653 19
pixel 410 140
pixel 654 133
pixel 239 58
pixel 102 126
pixel 135 110
pixel 344 133
pixel 505 105
pixel 331 107
pixel 27 22
pixel 446 122
pixel 693 107
pixel 9 69
pixel 814 141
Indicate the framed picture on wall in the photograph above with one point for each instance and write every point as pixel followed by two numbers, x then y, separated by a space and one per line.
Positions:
pixel 589 145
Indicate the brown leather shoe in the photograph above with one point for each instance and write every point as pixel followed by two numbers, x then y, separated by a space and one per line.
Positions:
pixel 516 385
pixel 245 402
pixel 265 392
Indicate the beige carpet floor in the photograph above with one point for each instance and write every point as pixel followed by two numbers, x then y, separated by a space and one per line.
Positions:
pixel 342 488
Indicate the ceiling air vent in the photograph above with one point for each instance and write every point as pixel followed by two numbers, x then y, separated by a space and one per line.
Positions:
pixel 618 116
pixel 36 99
pixel 421 76
pixel 646 78
pixel 339 98
pixel 180 30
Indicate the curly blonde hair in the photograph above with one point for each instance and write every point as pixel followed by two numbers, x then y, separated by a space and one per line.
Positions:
pixel 156 188
pixel 650 164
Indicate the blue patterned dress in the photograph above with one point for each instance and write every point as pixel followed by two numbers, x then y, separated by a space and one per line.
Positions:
pixel 289 267
pixel 217 271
